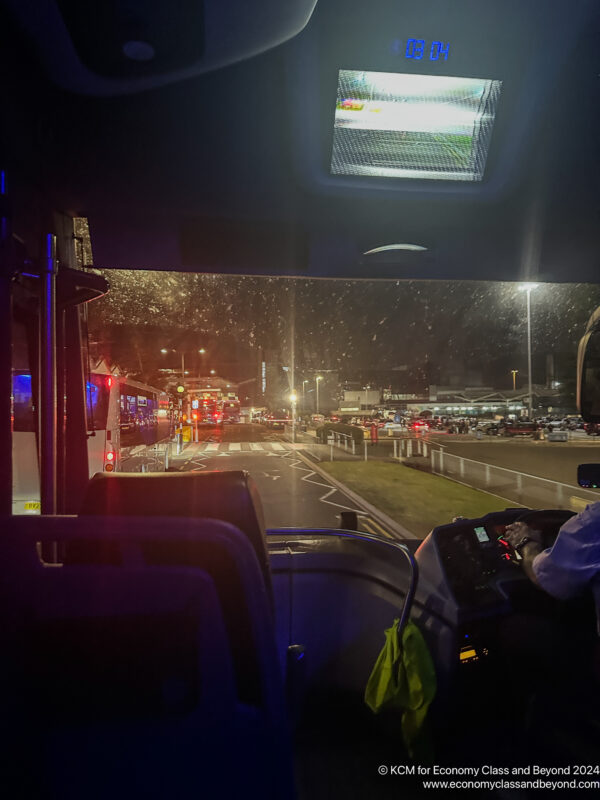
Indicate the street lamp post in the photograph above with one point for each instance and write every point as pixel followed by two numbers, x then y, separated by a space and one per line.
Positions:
pixel 304 396
pixel 527 287
pixel 513 372
pixel 317 379
pixel 293 399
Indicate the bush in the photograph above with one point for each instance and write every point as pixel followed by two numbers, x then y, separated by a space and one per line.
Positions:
pixel 350 430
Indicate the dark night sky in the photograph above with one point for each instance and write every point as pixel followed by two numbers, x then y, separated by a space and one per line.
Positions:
pixel 474 330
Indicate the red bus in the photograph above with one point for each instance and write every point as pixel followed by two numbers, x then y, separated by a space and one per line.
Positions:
pixel 209 412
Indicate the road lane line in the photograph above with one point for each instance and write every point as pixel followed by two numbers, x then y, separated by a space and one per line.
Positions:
pixel 235 446
pixel 400 531
pixel 379 529
pixel 368 527
pixel 332 489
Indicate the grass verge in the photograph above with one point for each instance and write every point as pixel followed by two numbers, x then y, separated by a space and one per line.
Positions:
pixel 415 499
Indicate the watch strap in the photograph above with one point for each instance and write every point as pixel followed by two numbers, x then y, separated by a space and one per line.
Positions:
pixel 525 540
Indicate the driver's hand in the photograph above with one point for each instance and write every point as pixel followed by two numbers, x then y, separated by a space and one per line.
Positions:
pixel 518 530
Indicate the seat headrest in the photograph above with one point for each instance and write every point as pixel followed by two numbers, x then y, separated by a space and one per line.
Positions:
pixel 230 496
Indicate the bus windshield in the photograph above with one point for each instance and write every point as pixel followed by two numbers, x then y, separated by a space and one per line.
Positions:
pixel 363 379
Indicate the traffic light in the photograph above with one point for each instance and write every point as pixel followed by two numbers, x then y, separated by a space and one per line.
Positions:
pixel 180 388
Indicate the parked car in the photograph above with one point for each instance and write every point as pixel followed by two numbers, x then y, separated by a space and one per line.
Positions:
pixel 519 429
pixel 489 428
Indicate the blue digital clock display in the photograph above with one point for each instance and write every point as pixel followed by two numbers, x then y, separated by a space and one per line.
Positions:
pixel 421 49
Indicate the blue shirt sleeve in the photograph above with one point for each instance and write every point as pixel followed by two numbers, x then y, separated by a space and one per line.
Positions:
pixel 573 562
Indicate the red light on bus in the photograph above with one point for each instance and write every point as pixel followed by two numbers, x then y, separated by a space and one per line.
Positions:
pixel 110 456
pixel 109 382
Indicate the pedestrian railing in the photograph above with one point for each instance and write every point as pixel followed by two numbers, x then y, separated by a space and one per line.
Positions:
pixel 518 487
pixel 156 458
pixel 342 440
pixel 409 446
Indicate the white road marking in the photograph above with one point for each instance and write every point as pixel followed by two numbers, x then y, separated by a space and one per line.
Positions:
pixel 256 446
pixel 235 446
pixel 277 446
pixel 331 489
pixel 212 447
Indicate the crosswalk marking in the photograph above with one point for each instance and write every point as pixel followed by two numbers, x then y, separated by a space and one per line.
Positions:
pixel 220 448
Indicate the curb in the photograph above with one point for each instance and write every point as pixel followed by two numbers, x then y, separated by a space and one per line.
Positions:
pixel 395 527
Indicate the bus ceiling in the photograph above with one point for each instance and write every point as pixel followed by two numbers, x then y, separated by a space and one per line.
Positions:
pixel 120 47
pixel 377 141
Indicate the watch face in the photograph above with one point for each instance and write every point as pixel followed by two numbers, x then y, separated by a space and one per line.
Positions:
pixel 522 543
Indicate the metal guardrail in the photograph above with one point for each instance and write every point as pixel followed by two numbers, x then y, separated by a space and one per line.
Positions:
pixel 157 458
pixel 371 538
pixel 342 440
pixel 519 487
pixel 409 446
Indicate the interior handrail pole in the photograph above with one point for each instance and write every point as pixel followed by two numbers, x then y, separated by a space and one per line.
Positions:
pixel 5 351
pixel 48 399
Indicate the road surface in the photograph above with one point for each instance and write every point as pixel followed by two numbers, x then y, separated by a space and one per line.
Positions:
pixel 293 494
pixel 556 461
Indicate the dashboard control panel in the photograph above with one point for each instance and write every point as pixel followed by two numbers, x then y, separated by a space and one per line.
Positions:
pixel 473 554
pixel 478 565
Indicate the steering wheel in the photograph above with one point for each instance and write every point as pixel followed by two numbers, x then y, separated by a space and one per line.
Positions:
pixel 547 522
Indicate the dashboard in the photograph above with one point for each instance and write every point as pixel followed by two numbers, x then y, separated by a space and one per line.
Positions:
pixel 473 563
pixel 472 588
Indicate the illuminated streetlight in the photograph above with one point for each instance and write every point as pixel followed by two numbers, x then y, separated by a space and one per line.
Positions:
pixel 513 372
pixel 183 372
pixel 202 351
pixel 212 372
pixel 303 395
pixel 528 287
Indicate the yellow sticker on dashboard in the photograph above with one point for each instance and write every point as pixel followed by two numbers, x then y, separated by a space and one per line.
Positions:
pixel 32 505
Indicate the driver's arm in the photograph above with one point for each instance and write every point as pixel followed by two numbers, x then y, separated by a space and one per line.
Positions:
pixel 572 563
pixel 520 532
pixel 529 553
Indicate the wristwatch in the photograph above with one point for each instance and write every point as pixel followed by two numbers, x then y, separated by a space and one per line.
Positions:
pixel 525 540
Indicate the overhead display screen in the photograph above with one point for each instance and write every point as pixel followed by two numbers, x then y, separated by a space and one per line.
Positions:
pixel 391 125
